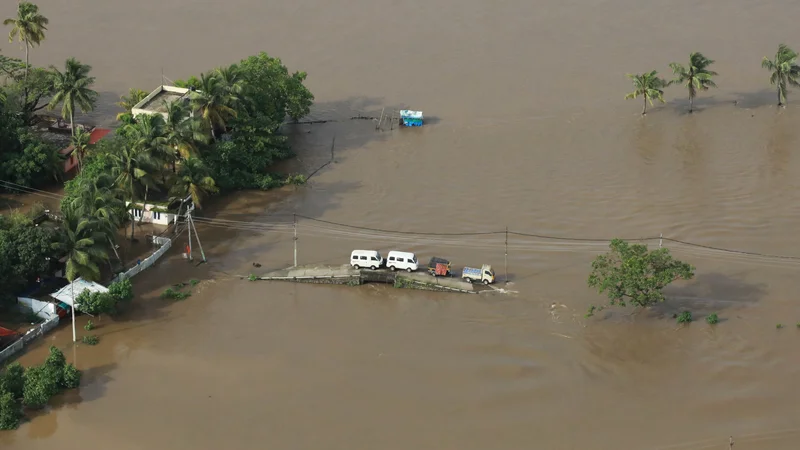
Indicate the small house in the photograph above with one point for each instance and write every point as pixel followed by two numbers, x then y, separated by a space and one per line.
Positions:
pixel 158 214
pixel 411 118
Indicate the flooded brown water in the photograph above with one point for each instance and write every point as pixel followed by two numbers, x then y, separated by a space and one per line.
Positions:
pixel 527 129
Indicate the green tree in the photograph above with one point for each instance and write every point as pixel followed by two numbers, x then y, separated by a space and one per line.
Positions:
pixel 193 179
pixel 96 303
pixel 55 364
pixel 648 86
pixel 80 142
pixel 127 102
pixel 632 274
pixel 10 411
pixel 214 103
pixel 122 291
pixel 73 87
pixel 696 76
pixel 40 386
pixel 784 71
pixel 183 133
pixel 131 165
pixel 71 377
pixel 271 90
pixel 13 380
pixel 98 198
pixel 29 27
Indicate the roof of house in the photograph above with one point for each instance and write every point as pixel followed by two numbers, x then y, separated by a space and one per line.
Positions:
pixel 94 138
pixel 65 294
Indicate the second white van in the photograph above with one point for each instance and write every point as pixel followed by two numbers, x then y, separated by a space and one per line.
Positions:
pixel 402 261
pixel 366 259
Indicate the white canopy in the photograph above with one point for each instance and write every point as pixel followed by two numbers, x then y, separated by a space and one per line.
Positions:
pixel 65 294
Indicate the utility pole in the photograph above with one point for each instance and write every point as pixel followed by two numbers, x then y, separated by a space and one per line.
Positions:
pixel 295 239
pixel 196 234
pixel 660 240
pixel 506 262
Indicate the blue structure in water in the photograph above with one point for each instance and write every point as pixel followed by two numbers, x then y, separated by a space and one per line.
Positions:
pixel 411 118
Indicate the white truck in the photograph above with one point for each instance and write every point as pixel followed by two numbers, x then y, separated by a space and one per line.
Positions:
pixel 483 275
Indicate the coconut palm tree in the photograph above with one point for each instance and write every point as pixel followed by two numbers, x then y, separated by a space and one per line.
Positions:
pixel 80 142
pixel 132 166
pixel 183 133
pixel 73 88
pixel 214 103
pixel 695 76
pixel 98 199
pixel 79 241
pixel 127 102
pixel 193 179
pixel 231 81
pixel 649 86
pixel 29 27
pixel 785 71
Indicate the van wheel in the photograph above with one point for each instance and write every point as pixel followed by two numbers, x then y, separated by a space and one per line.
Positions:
pixel 373 267
pixel 408 269
pixel 486 282
pixel 468 280
pixel 356 266
pixel 393 268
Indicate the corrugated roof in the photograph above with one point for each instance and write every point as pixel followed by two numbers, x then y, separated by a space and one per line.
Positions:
pixel 65 294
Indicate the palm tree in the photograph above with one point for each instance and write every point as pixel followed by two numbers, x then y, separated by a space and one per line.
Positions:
pixel 696 76
pixel 127 102
pixel 213 101
pixel 80 142
pixel 132 165
pixel 193 179
pixel 79 242
pixel 649 86
pixel 231 81
pixel 98 199
pixel 29 27
pixel 183 133
pixel 785 71
pixel 73 88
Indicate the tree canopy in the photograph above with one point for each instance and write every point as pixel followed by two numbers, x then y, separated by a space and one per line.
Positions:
pixel 695 76
pixel 784 71
pixel 648 86
pixel 632 274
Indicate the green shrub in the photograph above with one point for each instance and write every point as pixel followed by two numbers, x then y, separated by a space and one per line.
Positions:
pixel 10 411
pixel 71 377
pixel 778 326
pixel 122 291
pixel 685 317
pixel 54 364
pixel 194 281
pixel 89 326
pixel 712 319
pixel 90 339
pixel 40 385
pixel 172 294
pixel 13 380
pixel 95 303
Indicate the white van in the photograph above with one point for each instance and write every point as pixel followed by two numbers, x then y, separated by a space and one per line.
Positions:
pixel 402 261
pixel 366 258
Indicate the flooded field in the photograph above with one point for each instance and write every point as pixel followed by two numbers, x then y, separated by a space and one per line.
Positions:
pixel 528 130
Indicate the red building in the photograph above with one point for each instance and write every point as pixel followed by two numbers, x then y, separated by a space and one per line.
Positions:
pixel 72 159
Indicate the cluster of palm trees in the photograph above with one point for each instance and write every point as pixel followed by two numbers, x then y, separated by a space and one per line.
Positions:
pixel 696 77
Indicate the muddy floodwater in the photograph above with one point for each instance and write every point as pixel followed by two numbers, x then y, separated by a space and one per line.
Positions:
pixel 527 129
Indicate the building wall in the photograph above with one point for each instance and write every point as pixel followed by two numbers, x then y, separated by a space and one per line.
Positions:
pixel 45 310
pixel 150 216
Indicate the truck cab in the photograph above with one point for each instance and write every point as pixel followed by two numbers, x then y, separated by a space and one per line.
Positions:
pixel 483 275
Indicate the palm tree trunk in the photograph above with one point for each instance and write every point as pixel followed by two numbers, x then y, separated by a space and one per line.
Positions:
pixel 27 66
pixel 146 190
pixel 644 109
pixel 691 104
pixel 72 287
pixel 72 121
pixel 133 208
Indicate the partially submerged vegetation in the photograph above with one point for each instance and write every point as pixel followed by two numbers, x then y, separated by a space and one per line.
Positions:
pixel 32 387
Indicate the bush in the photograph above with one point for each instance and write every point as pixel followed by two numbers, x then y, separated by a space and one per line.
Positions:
pixel 54 364
pixel 71 377
pixel 89 326
pixel 13 380
pixel 173 294
pixel 122 291
pixel 40 385
pixel 685 317
pixel 10 411
pixel 90 339
pixel 712 319
pixel 95 303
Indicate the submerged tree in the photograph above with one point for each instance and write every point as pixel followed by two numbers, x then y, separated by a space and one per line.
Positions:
pixel 73 87
pixel 784 71
pixel 695 76
pixel 649 86
pixel 127 102
pixel 632 274
pixel 29 27
pixel 193 179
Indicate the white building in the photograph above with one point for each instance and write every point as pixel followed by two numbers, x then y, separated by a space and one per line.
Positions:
pixel 159 99
pixel 150 213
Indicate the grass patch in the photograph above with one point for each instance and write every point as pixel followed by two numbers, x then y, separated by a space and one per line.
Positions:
pixel 778 326
pixel 90 339
pixel 175 294
pixel 685 317
pixel 194 282
pixel 252 277
pixel 712 319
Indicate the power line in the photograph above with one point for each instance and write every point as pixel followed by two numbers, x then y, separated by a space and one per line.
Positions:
pixel 27 190
pixel 355 227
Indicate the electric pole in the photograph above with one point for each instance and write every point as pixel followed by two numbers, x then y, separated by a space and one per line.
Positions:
pixel 295 239
pixel 190 224
pixel 506 259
